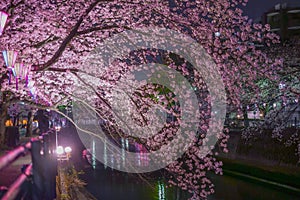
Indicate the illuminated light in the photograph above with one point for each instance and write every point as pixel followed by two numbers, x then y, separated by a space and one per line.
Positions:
pixel 10 58
pixel 281 86
pixel 127 144
pixel 217 34
pixel 161 191
pixel 33 92
pixel 274 105
pixel 17 71
pixel 31 84
pixel 123 151
pixel 139 159
pixel 68 149
pixel 3 19
pixel 57 128
pixel 25 72
pixel 112 160
pixel 105 155
pixel 18 67
pixel 94 154
pixel 9 123
pixel 24 75
pixel 59 150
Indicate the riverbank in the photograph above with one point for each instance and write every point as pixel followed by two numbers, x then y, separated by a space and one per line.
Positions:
pixel 281 177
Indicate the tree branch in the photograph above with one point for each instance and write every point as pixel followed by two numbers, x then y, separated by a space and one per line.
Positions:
pixel 68 39
pixel 100 28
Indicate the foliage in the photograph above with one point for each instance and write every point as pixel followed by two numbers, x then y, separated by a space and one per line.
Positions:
pixel 67 181
pixel 280 102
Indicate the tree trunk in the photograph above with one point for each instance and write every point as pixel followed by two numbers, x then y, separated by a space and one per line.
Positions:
pixel 245 115
pixel 29 124
pixel 3 118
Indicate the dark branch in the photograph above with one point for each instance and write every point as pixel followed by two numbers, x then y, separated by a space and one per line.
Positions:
pixel 74 70
pixel 68 39
pixel 48 40
pixel 99 28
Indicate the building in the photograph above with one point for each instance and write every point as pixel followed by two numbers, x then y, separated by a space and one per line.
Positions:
pixel 284 20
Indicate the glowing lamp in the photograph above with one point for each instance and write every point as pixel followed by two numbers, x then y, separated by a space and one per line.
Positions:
pixel 17 70
pixel 68 149
pixel 31 83
pixel 3 19
pixel 20 71
pixel 33 92
pixel 10 59
pixel 57 128
pixel 60 150
pixel 25 73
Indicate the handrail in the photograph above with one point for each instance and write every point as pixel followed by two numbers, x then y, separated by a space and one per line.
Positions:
pixel 42 171
pixel 15 188
pixel 11 156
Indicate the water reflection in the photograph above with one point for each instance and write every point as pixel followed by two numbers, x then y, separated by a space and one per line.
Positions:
pixel 142 156
pixel 93 154
pixel 233 188
pixel 161 190
pixel 114 185
pixel 107 184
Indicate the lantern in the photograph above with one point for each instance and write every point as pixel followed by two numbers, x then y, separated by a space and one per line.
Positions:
pixel 25 73
pixel 17 71
pixel 3 19
pixel 21 72
pixel 10 59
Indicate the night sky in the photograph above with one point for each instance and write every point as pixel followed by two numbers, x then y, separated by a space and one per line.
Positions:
pixel 255 8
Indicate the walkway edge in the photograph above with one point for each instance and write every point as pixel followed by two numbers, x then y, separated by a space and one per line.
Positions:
pixel 232 173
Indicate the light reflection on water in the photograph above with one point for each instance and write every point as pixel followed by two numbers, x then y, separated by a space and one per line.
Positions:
pixel 107 184
pixel 228 187
pixel 113 185
pixel 142 158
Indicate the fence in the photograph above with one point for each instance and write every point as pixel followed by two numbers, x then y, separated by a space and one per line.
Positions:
pixel 38 179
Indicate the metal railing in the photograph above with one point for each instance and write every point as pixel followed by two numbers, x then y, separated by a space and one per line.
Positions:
pixel 38 179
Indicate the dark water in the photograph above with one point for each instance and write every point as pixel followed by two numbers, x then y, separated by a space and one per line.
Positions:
pixel 106 184
pixel 233 188
pixel 113 185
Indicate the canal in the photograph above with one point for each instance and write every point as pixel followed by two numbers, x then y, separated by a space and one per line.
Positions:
pixel 106 184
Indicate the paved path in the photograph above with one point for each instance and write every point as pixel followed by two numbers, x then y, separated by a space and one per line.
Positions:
pixel 9 174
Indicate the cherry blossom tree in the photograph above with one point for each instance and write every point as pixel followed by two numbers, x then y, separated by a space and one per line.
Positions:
pixel 280 102
pixel 56 37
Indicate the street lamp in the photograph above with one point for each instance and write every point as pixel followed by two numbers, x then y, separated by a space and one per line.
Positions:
pixel 57 128
pixel 63 153
pixel 3 19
